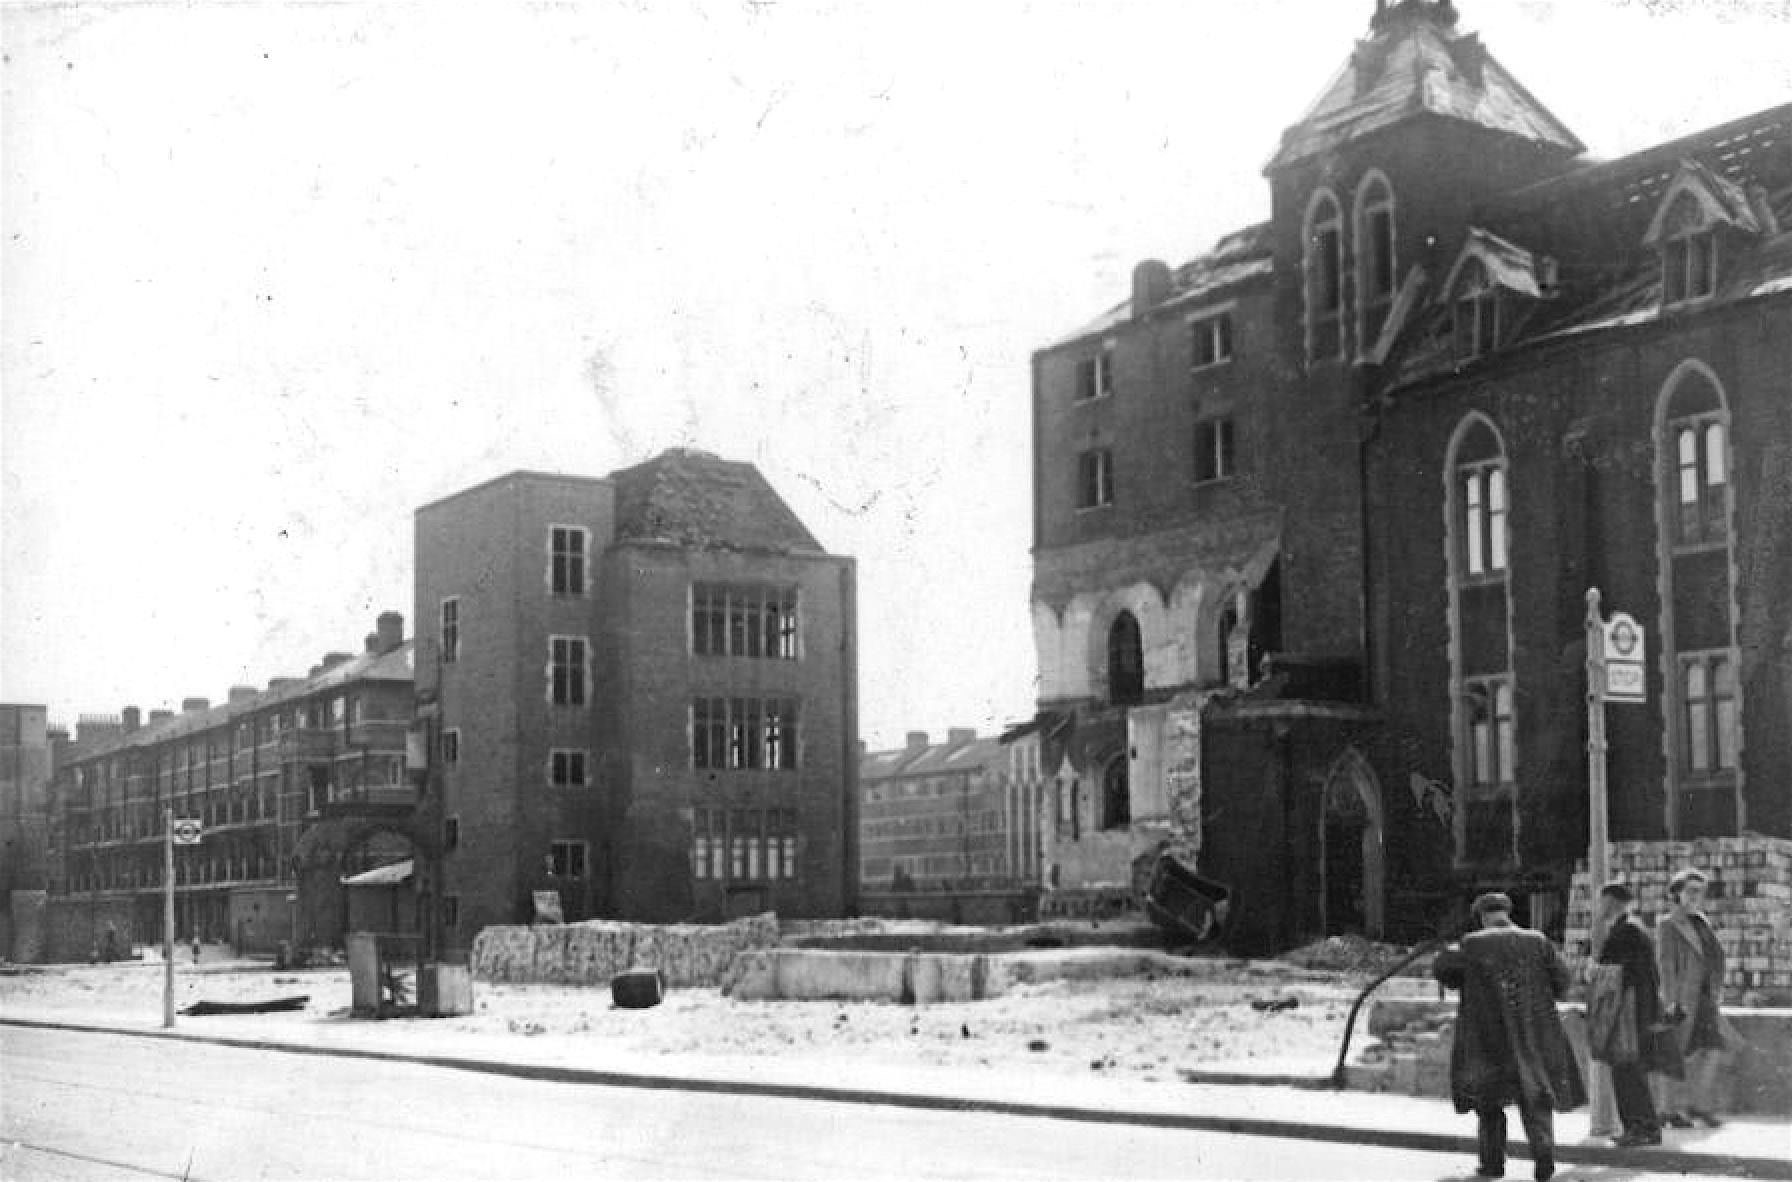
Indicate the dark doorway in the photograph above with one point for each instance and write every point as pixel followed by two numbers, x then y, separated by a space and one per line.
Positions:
pixel 1116 795
pixel 1126 661
pixel 1266 619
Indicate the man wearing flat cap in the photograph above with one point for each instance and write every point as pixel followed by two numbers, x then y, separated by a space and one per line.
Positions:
pixel 1509 1045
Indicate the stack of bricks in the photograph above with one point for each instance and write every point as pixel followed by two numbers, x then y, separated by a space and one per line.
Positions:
pixel 1749 904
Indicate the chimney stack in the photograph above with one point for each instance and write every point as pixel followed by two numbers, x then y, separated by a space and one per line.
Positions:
pixel 156 716
pixel 917 741
pixel 373 642
pixel 958 736
pixel 331 660
pixel 131 718
pixel 194 705
pixel 391 630
pixel 1151 285
pixel 241 693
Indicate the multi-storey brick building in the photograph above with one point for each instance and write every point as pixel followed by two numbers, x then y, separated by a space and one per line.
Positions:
pixel 950 830
pixel 24 826
pixel 643 693
pixel 1307 446
pixel 281 780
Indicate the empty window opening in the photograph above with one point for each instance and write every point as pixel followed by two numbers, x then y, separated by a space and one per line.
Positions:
pixel 1212 339
pixel 1214 456
pixel 1126 660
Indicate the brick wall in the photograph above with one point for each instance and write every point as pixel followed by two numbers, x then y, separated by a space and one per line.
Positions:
pixel 488 546
pixel 1749 903
pixel 649 678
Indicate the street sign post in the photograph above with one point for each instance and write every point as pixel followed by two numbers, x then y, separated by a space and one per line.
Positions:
pixel 1615 655
pixel 185 831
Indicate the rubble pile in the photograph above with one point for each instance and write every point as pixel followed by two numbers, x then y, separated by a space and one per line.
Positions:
pixel 592 952
pixel 1351 954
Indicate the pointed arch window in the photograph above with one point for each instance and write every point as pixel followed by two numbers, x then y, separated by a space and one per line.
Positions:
pixel 1376 268
pixel 1702 689
pixel 1323 265
pixel 1482 541
pixel 1126 660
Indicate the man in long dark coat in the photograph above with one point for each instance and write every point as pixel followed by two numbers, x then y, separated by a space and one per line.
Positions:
pixel 1509 1046
pixel 1628 945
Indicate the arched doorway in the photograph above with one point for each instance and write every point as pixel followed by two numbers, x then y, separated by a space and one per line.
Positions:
pixel 1352 862
pixel 388 858
pixel 1126 660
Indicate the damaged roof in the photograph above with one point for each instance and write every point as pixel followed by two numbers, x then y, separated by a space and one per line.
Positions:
pixel 1598 226
pixel 692 498
pixel 1415 63
pixel 1236 258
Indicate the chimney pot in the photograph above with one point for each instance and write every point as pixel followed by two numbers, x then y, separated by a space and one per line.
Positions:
pixel 1151 284
pixel 373 642
pixel 131 718
pixel 391 630
pixel 917 741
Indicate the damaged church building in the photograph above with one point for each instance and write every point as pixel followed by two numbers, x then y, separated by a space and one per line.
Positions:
pixel 1315 513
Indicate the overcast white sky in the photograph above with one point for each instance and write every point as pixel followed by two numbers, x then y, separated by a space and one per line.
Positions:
pixel 274 275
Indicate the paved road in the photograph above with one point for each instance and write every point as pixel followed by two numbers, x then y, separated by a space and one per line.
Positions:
pixel 104 1107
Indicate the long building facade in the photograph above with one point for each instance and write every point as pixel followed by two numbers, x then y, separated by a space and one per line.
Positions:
pixel 1315 513
pixel 642 695
pixel 951 830
pixel 280 780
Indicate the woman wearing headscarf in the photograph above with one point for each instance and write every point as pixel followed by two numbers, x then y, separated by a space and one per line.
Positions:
pixel 1692 984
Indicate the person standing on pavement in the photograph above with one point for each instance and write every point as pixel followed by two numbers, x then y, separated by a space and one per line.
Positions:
pixel 1509 1045
pixel 1692 985
pixel 1628 946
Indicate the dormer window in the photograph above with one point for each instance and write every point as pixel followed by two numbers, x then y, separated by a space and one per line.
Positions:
pixel 1476 312
pixel 1324 270
pixel 1698 208
pixel 1688 254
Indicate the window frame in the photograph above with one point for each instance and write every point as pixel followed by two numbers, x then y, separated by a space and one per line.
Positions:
pixel 568 573
pixel 1212 338
pixel 566 692
pixel 1490 731
pixel 448 629
pixel 1324 219
pixel 1689 258
pixel 1094 478
pixel 1476 313
pixel 1216 449
pixel 450 746
pixel 1099 370
pixel 1374 200
pixel 1701 716
pixel 569 760
pixel 1710 522
pixel 1483 529
pixel 753 621
pixel 736 733
pixel 577 869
